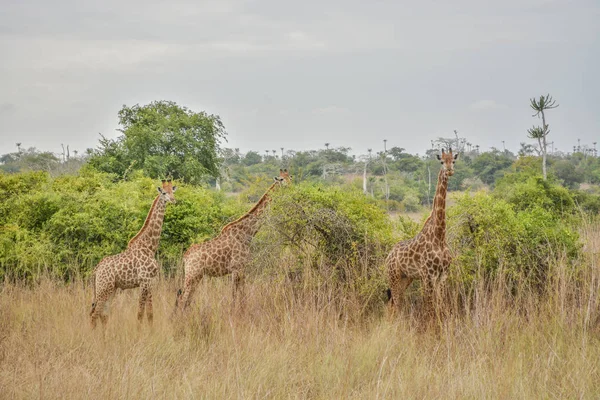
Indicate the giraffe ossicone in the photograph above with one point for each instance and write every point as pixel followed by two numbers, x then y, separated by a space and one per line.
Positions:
pixel 136 266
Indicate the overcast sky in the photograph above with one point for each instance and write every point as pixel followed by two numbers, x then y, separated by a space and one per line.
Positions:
pixel 299 74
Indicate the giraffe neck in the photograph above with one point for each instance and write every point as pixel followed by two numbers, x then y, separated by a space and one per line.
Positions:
pixel 437 219
pixel 147 238
pixel 249 223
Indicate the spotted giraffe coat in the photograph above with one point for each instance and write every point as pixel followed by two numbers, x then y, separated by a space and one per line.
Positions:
pixel 426 256
pixel 228 253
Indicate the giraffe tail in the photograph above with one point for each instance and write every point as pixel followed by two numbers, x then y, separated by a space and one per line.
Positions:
pixel 179 293
pixel 389 295
pixel 94 286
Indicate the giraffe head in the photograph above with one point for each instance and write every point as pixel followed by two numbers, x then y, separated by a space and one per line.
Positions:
pixel 447 160
pixel 167 191
pixel 284 177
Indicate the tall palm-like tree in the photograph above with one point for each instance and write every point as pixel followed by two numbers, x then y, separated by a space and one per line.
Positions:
pixel 366 163
pixel 541 132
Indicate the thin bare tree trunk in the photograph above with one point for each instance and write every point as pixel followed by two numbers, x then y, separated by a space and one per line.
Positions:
pixel 365 191
pixel 545 132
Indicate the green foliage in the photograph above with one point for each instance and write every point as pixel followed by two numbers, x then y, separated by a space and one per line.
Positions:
pixel 67 224
pixel 491 236
pixel 339 237
pixel 536 192
pixel 28 160
pixel 491 166
pixel 32 159
pixel 163 139
pixel 251 158
pixel 462 171
pixel 322 226
pixel 568 173
pixel 299 204
pixel 586 202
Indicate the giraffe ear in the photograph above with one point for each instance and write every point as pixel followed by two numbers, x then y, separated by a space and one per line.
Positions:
pixel 438 157
pixel 174 189
pixel 456 156
pixel 160 190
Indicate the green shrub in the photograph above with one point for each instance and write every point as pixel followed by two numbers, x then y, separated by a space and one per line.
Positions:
pixel 489 236
pixel 536 192
pixel 338 237
pixel 68 224
pixel 411 202
pixel 587 202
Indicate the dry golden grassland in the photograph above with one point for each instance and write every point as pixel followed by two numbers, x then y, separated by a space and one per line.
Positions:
pixel 294 343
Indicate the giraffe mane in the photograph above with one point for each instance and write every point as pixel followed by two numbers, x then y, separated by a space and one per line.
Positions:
pixel 260 201
pixel 146 222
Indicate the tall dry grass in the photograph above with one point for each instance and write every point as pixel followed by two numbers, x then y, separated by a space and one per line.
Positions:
pixel 288 342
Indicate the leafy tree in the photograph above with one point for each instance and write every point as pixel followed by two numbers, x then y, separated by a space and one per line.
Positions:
pixel 539 133
pixel 568 173
pixel 251 158
pixel 397 153
pixel 526 149
pixel 163 139
pixel 409 163
pixel 491 165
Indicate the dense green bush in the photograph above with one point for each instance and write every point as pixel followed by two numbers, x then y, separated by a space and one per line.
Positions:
pixel 65 225
pixel 489 235
pixel 339 238
pixel 536 192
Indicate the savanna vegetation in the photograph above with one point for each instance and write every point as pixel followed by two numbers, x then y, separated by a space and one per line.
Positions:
pixel 522 300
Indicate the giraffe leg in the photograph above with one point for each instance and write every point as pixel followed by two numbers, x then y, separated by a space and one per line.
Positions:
pixel 184 300
pixel 142 305
pixel 439 293
pixel 149 310
pixel 104 312
pixel 430 297
pixel 398 291
pixel 100 307
pixel 238 285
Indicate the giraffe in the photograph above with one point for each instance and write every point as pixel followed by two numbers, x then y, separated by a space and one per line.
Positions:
pixel 134 267
pixel 227 253
pixel 426 256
